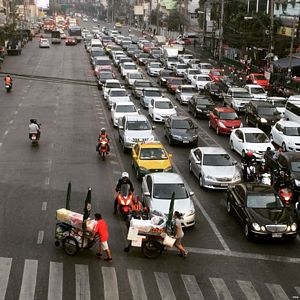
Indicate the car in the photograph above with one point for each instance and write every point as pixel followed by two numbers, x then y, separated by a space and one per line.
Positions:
pixel 226 83
pixel 150 157
pixel 153 68
pixel 123 60
pixel 147 46
pixel 139 85
pixel 103 76
pixel 260 79
pixel 116 58
pixel 287 135
pixel 70 41
pixel 120 109
pixel 155 53
pixel 173 83
pixel 214 168
pixel 189 73
pixel 179 69
pixel 181 130
pixel 85 19
pixel 133 129
pixel 161 108
pixel 205 68
pixel 214 90
pixel 128 67
pixel 261 114
pixel 169 62
pixel 110 84
pixel 237 98
pixel 130 50
pixel 141 58
pixel 116 95
pixel 157 191
pixel 125 44
pixel 102 63
pixel 243 140
pixel 96 52
pixel 148 94
pixel 224 120
pixel 184 93
pixel 185 58
pixel 256 91
pixel 118 25
pixel 216 74
pixel 132 77
pixel 260 211
pixel 200 106
pixel 44 43
pixel 279 103
pixel 200 80
pixel 193 63
pixel 97 61
pixel 163 76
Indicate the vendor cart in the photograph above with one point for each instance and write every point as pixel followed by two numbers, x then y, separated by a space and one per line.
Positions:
pixel 73 230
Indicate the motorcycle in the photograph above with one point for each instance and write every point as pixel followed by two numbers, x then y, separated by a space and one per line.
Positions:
pixel 8 87
pixel 34 138
pixel 265 178
pixel 103 147
pixel 125 199
pixel 285 195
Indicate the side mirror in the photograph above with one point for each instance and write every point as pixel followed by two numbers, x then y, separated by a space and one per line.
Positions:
pixel 134 156
pixel 153 127
pixel 170 155
pixel 192 193
pixel 138 110
pixel 147 194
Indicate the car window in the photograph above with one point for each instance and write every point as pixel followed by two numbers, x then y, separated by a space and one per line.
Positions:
pixel 240 193
pixel 256 137
pixel 163 104
pixel 165 191
pixel 278 127
pixel 264 201
pixel 292 131
pixel 217 160
pixel 198 154
pixel 138 125
pixel 153 154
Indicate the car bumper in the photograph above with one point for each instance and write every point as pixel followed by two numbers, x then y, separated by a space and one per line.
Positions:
pixel 144 172
pixel 274 235
pixel 188 141
pixel 226 130
pixel 220 185
pixel 188 221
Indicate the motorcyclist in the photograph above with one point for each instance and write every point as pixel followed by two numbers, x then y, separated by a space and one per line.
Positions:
pixel 248 160
pixel 124 180
pixel 34 128
pixel 8 80
pixel 136 207
pixel 103 135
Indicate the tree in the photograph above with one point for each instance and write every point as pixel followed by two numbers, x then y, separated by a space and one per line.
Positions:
pixel 176 21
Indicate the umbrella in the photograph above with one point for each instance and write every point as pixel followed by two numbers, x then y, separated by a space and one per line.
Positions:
pixel 68 196
pixel 169 225
pixel 87 208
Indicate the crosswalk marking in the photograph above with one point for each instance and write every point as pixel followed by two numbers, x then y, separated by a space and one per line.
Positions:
pixel 164 286
pixel 192 287
pixel 82 282
pixel 29 280
pixel 248 290
pixel 110 283
pixel 221 289
pixel 5 266
pixel 277 291
pixel 55 286
pixel 137 285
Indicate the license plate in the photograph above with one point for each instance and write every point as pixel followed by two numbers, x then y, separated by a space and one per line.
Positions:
pixel 223 184
pixel 276 235
pixel 185 142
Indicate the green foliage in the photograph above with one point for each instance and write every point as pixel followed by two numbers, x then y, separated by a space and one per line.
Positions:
pixel 175 21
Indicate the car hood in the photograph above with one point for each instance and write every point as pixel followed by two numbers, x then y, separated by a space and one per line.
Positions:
pixel 231 123
pixel 139 133
pixel 118 115
pixel 164 111
pixel 155 164
pixel 184 132
pixel 258 146
pixel 220 171
pixel 163 205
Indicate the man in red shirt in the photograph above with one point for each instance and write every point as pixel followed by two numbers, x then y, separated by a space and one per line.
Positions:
pixel 101 230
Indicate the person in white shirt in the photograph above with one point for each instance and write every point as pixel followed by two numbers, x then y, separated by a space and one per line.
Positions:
pixel 34 128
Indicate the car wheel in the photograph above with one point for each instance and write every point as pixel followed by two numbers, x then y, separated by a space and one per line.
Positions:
pixel 228 207
pixel 200 181
pixel 231 146
pixel 284 147
pixel 217 130
pixel 195 113
pixel 209 124
pixel 190 166
pixel 247 232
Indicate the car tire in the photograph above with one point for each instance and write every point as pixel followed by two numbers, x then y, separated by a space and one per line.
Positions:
pixel 209 124
pixel 284 147
pixel 190 167
pixel 247 232
pixel 200 181
pixel 195 114
pixel 231 146
pixel 228 207
pixel 217 130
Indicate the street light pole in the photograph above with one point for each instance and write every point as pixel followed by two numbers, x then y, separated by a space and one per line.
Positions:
pixel 271 46
pixel 221 31
pixel 292 48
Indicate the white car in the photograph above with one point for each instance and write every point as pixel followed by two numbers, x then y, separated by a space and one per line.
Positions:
pixel 120 109
pixel 200 81
pixel 153 68
pixel 157 190
pixel 44 43
pixel 85 19
pixel 179 69
pixel 286 134
pixel 117 95
pixel 161 108
pixel 110 84
pixel 132 77
pixel 184 93
pixel 205 68
pixel 256 91
pixel 189 73
pixel 246 139
pixel 279 103
pixel 128 67
pixel 185 58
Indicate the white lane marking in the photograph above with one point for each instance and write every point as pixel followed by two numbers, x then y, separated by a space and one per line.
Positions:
pixel 98 105
pixel 44 206
pixel 29 280
pixel 55 286
pixel 28 85
pixel 47 180
pixel 82 282
pixel 1 144
pixel 50 164
pixel 113 162
pixel 100 113
pixel 5 266
pixel 277 291
pixel 11 121
pixel 207 217
pixel 220 288
pixel 6 132
pixel 40 237
pixel 192 287
pixel 137 285
pixel 110 283
pixel 16 112
pixel 248 290
pixel 164 286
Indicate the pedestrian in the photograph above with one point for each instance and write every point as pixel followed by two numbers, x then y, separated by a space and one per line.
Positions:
pixel 179 234
pixel 102 231
pixel 277 152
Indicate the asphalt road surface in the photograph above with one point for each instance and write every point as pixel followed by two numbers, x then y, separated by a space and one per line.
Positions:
pixel 221 263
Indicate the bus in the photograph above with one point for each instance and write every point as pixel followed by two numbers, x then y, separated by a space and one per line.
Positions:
pixel 75 31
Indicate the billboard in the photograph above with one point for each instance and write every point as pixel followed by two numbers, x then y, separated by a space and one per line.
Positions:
pixel 42 3
pixel 138 10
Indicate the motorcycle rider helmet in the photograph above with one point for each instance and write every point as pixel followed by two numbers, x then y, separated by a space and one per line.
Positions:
pixel 249 154
pixel 125 175
pixel 103 130
pixel 32 120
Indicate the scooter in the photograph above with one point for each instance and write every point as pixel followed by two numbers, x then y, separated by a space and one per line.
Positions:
pixel 125 198
pixel 34 138
pixel 8 87
pixel 103 148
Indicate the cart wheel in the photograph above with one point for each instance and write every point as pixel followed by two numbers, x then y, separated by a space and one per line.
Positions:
pixel 57 243
pixel 90 244
pixel 152 249
pixel 70 246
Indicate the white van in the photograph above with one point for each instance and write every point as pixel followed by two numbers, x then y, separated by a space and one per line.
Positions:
pixel 292 111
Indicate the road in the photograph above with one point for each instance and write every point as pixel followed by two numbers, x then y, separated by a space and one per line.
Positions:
pixel 221 263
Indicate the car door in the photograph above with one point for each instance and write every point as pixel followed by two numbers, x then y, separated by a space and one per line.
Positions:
pixel 167 127
pixel 214 116
pixel 151 107
pixel 238 141
pixel 196 162
pixel 277 134
pixel 135 155
pixel 147 191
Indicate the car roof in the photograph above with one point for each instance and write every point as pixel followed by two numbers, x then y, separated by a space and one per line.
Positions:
pixel 112 80
pixel 253 86
pixel 166 178
pixel 287 123
pixel 136 117
pixel 160 99
pixel 250 129
pixel 212 150
pixel 224 109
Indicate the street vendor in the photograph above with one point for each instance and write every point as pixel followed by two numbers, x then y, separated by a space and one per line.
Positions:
pixel 136 206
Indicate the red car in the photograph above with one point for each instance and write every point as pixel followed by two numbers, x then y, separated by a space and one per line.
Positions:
pixel 216 74
pixel 147 47
pixel 71 41
pixel 224 120
pixel 260 79
pixel 102 68
pixel 173 83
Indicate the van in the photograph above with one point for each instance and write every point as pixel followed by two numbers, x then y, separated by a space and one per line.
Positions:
pixel 292 111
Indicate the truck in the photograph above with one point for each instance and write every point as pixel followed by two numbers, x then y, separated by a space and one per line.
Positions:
pixel 55 37
pixel 75 31
pixel 169 57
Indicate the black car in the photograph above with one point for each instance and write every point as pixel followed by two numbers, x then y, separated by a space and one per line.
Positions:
pixel 226 83
pixel 181 130
pixel 214 90
pixel 163 76
pixel 130 50
pixel 261 212
pixel 261 114
pixel 201 106
pixel 139 85
pixel 142 58
pixel 102 77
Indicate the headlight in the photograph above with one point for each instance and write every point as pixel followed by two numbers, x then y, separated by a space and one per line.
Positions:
pixel 263 120
pixel 168 169
pixel 130 139
pixel 256 227
pixel 209 177
pixel 143 169
pixel 297 182
pixel 199 109
pixel 195 136
pixel 294 227
pixel 262 228
pixel 236 177
pixel 222 125
pixel 189 213
pixel 178 137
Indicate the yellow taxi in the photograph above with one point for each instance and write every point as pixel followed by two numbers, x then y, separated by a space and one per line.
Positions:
pixel 150 157
pixel 118 25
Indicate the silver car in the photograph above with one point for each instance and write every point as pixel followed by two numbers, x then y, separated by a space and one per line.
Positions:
pixel 184 93
pixel 153 68
pixel 214 167
pixel 149 94
pixel 157 190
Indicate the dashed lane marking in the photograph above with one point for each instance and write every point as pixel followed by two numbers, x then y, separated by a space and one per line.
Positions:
pixel 47 180
pixel 11 121
pixel 16 112
pixel 6 132
pixel 44 206
pixel 40 237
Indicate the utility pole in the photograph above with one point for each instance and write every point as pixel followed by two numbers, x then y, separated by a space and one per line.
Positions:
pixel 157 17
pixel 271 46
pixel 221 30
pixel 292 48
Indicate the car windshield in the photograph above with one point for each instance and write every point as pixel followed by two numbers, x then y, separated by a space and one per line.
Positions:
pixel 292 131
pixel 163 104
pixel 182 124
pixel 256 137
pixel 203 101
pixel 260 77
pixel 130 67
pixel 193 72
pixel 103 62
pixel 177 82
pixel 269 111
pixel 135 76
pixel 182 67
pixel 228 116
pixel 144 55
pixel 153 154
pixel 118 94
pixel 97 53
pixel 155 65
pixel 125 108
pixel 152 93
pixel 111 85
pixel 217 160
pixel 165 191
pixel 189 90
pixel 203 78
pixel 215 87
pixel 295 166
pixel 106 75
pixel 241 95
pixel 264 201
pixel 138 125
pixel 172 59
pixel 258 90
pixel 217 73
pixel 156 52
